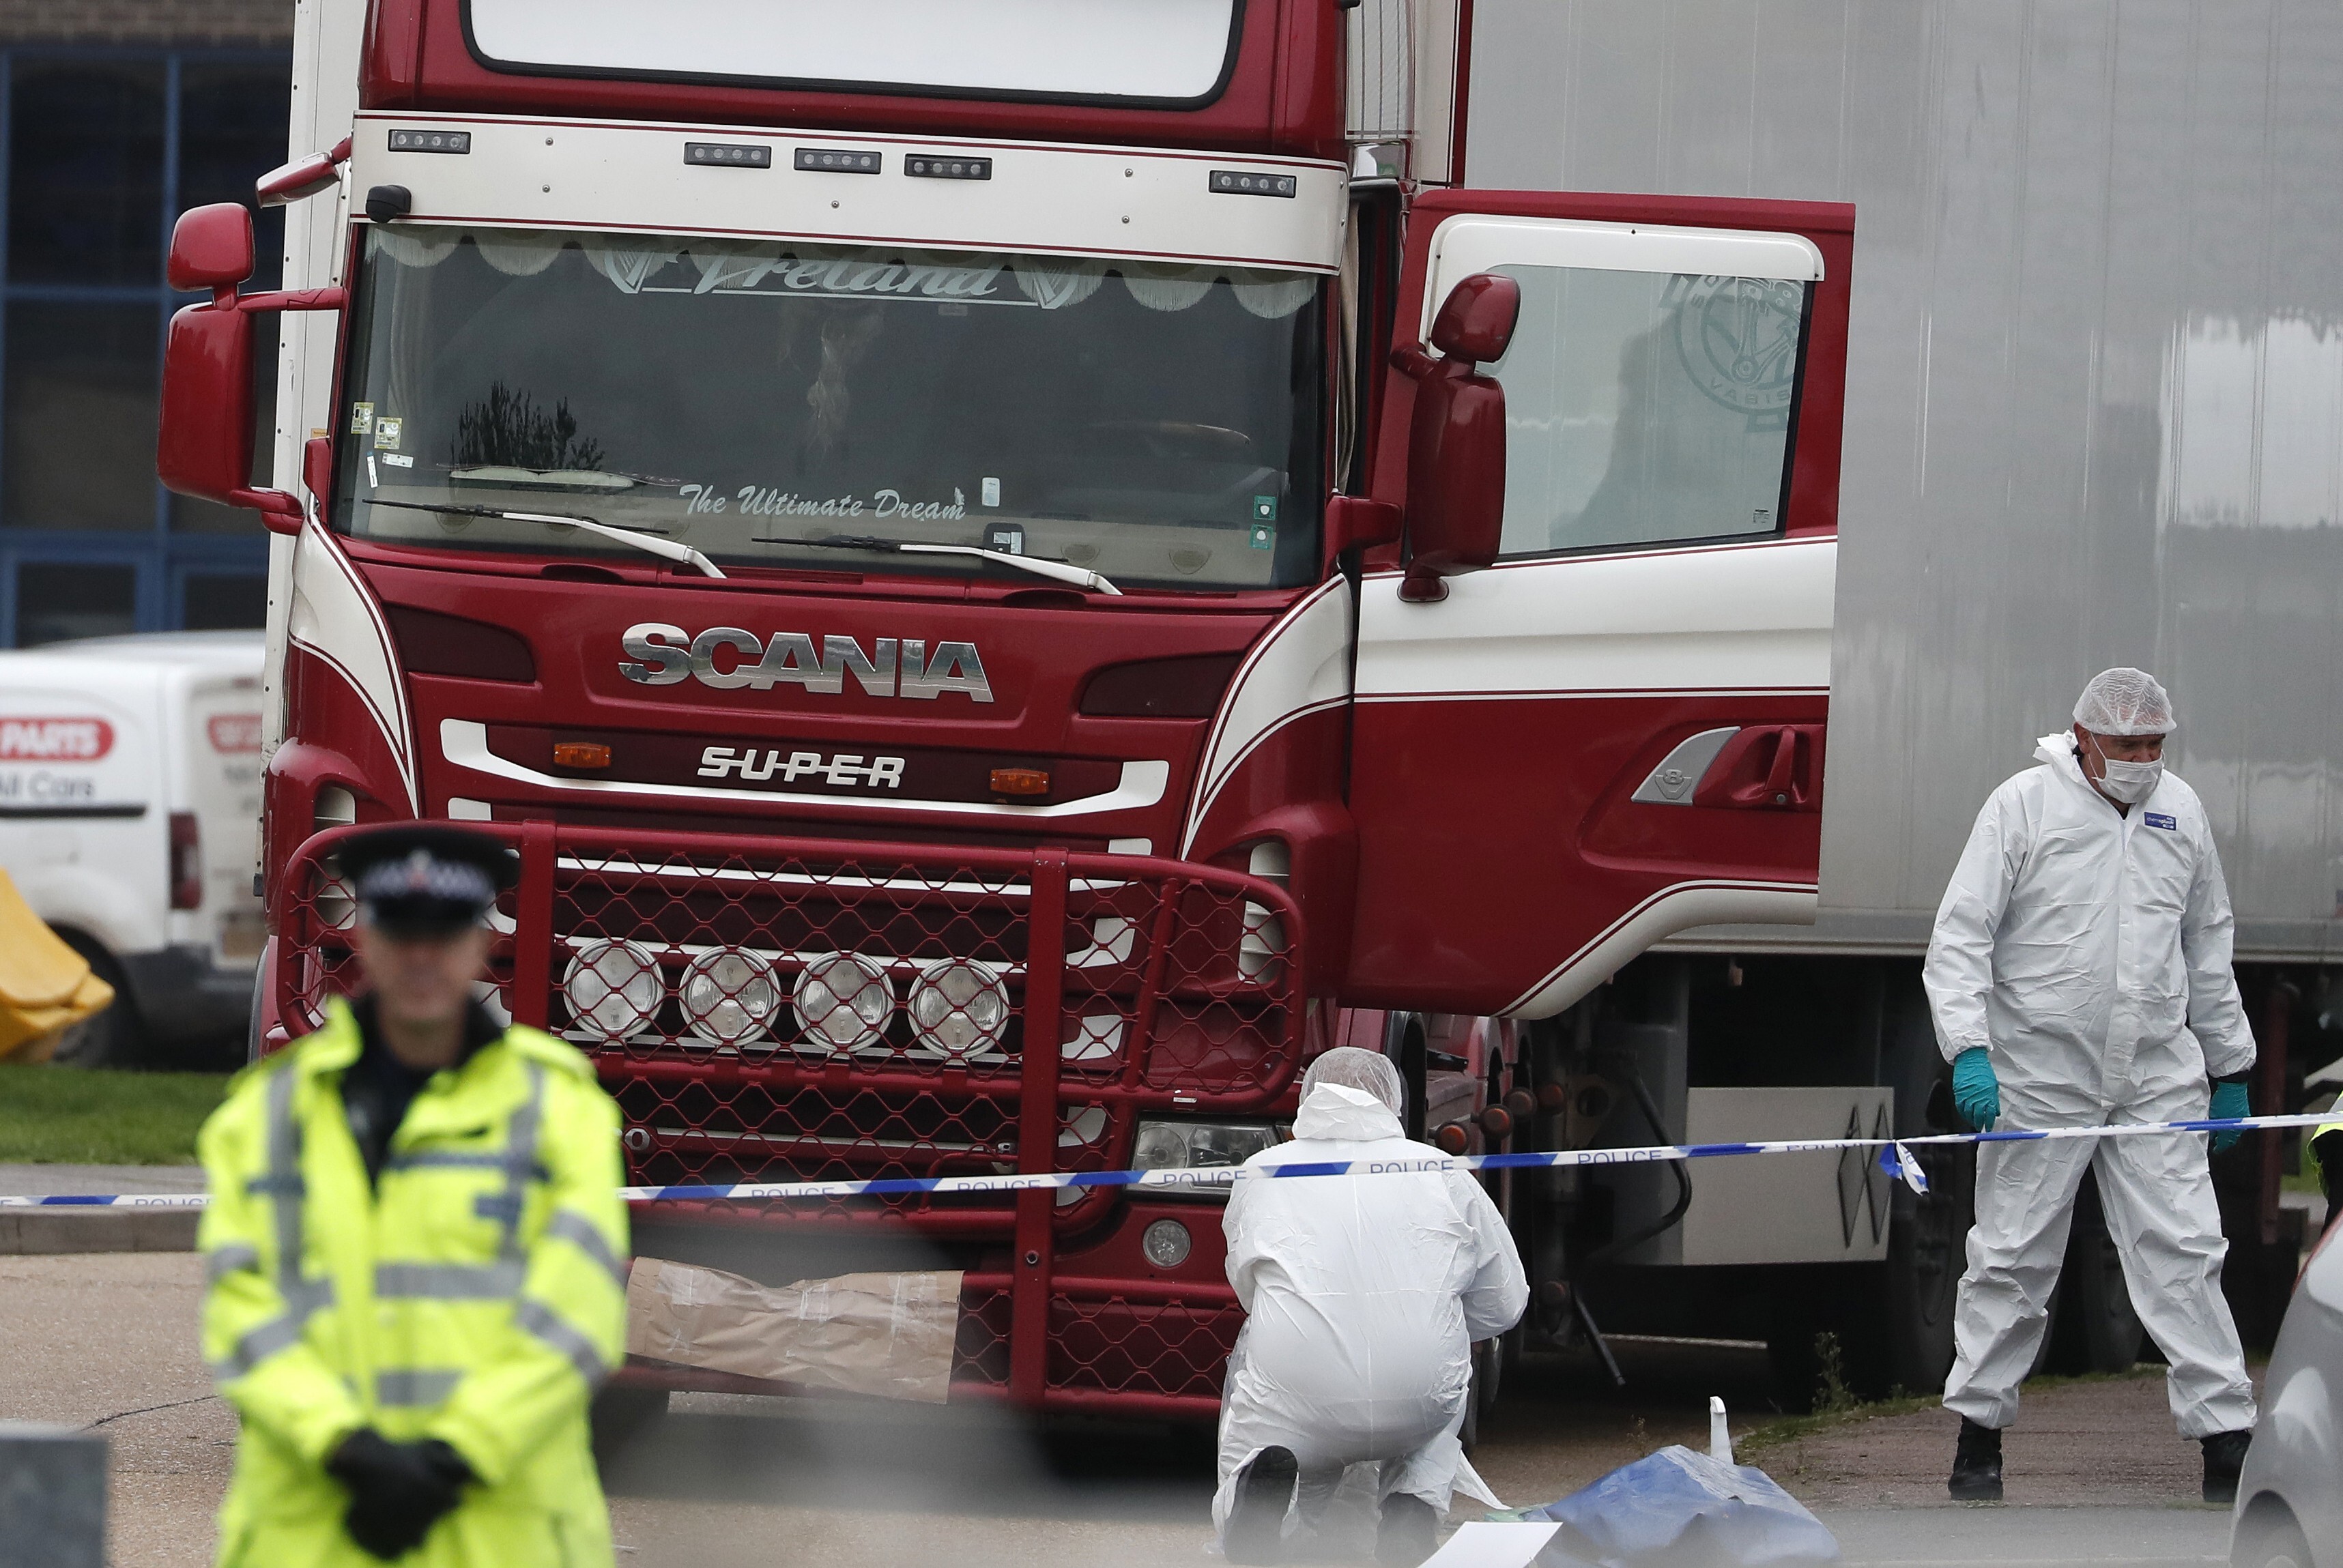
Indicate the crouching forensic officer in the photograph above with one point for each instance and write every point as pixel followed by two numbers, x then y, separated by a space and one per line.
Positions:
pixel 414 1246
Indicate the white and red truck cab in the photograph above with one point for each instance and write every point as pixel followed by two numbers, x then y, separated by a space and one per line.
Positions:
pixel 1013 570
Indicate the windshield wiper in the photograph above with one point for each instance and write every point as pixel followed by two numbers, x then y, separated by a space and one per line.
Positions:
pixel 667 549
pixel 1057 571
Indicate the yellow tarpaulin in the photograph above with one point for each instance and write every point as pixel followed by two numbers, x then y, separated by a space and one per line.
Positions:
pixel 46 987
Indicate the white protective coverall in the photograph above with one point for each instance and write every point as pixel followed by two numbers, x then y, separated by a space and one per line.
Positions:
pixel 1362 1296
pixel 2089 953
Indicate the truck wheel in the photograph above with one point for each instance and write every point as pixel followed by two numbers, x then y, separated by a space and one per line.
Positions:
pixel 623 1416
pixel 2095 1329
pixel 1480 1393
pixel 116 1038
pixel 1927 1247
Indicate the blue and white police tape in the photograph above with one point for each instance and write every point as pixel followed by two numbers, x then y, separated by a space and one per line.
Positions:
pixel 1894 1157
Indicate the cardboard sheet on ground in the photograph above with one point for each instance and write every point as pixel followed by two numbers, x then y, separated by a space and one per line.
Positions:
pixel 889 1336
pixel 46 987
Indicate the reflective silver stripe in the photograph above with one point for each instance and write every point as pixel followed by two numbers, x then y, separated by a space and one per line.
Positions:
pixel 278 1334
pixel 415 1386
pixel 288 1193
pixel 235 1258
pixel 488 1160
pixel 448 1282
pixel 496 1206
pixel 521 1157
pixel 539 1319
pixel 578 1230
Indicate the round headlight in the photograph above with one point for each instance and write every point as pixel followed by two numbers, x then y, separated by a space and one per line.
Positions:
pixel 1161 1148
pixel 1166 1244
pixel 959 1006
pixel 613 987
pixel 731 995
pixel 842 1001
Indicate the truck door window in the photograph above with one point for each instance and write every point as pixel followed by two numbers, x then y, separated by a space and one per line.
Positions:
pixel 1651 384
pixel 1159 422
pixel 1647 407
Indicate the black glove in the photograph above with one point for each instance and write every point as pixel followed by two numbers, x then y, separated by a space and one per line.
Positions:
pixel 398 1491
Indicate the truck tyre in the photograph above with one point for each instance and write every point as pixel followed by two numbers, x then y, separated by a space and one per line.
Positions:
pixel 1480 1393
pixel 252 1040
pixel 116 1038
pixel 2094 1328
pixel 623 1416
pixel 1927 1249
pixel 1927 1235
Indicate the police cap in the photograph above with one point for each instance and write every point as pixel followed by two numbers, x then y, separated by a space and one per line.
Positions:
pixel 427 879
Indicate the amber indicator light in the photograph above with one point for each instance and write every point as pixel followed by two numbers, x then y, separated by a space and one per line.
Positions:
pixel 1020 782
pixel 581 754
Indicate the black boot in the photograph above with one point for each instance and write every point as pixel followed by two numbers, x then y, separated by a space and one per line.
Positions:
pixel 1408 1533
pixel 1977 1464
pixel 1256 1531
pixel 2225 1456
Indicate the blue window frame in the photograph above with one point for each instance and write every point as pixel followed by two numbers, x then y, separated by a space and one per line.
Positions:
pixel 100 150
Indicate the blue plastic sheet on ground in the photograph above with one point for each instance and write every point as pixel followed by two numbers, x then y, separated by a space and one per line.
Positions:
pixel 1679 1509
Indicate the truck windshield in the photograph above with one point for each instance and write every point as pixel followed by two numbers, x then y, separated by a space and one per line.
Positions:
pixel 1159 424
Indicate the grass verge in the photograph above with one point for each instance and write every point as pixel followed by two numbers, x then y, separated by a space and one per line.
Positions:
pixel 57 1115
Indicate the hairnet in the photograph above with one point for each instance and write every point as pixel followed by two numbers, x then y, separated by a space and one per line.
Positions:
pixel 1368 1071
pixel 2124 701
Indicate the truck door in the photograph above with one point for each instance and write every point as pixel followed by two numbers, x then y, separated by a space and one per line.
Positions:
pixel 1615 730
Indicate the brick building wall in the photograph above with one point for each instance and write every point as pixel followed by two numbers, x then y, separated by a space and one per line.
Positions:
pixel 212 22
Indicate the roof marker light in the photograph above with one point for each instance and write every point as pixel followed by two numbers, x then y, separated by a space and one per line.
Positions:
pixel 924 167
pixel 414 141
pixel 837 161
pixel 729 154
pixel 1245 182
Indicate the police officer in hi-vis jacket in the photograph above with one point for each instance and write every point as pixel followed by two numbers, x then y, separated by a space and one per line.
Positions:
pixel 415 1248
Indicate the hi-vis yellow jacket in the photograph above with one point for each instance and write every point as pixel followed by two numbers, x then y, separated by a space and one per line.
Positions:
pixel 477 1297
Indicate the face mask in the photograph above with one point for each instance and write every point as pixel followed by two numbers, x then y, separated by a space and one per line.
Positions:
pixel 2129 782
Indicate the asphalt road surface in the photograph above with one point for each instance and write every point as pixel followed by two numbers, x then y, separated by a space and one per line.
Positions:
pixel 108 1341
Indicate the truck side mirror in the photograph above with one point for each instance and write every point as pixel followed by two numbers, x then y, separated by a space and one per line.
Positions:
pixel 1456 437
pixel 211 249
pixel 203 446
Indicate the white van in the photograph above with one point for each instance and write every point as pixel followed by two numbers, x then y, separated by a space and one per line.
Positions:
pixel 129 815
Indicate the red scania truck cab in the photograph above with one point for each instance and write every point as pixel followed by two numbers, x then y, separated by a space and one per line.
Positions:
pixel 1013 571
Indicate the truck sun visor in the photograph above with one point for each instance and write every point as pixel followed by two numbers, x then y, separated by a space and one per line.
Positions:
pixel 1053 283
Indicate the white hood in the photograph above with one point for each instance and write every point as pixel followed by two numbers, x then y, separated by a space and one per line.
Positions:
pixel 1337 1111
pixel 2058 750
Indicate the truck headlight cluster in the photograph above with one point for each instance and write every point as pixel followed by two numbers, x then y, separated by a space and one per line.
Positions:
pixel 731 995
pixel 959 1006
pixel 956 1007
pixel 613 988
pixel 842 1001
pixel 1200 1146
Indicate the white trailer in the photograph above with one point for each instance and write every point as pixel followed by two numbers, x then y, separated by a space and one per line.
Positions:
pixel 129 806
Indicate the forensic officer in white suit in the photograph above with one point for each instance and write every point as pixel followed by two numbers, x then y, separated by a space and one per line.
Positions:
pixel 2079 976
pixel 1362 1296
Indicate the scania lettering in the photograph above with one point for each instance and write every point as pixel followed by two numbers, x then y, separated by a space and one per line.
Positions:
pixel 668 654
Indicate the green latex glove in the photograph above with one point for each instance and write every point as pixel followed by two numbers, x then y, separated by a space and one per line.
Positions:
pixel 1975 1090
pixel 2229 1099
